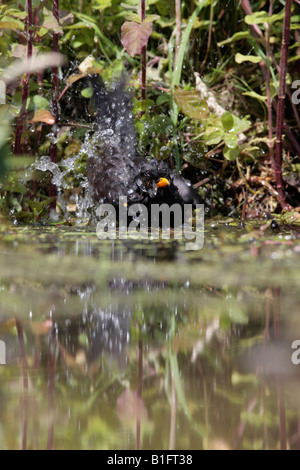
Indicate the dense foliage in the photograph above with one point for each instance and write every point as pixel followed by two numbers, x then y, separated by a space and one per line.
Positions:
pixel 212 88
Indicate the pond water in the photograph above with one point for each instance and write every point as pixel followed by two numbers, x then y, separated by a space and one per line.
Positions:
pixel 145 345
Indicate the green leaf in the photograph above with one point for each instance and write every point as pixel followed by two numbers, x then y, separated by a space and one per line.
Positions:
pixel 255 95
pixel 240 58
pixel 12 25
pixel 191 104
pixel 41 102
pixel 261 17
pixel 161 124
pixel 214 137
pixel 102 4
pixel 151 18
pixel 236 37
pixel 240 124
pixel 145 105
pixel 14 187
pixel 134 17
pixel 163 98
pixel 257 18
pixel 87 92
pixel 227 121
pixel 231 153
pixel 19 162
pixel 231 140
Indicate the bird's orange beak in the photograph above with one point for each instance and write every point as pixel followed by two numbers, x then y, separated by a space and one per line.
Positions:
pixel 162 182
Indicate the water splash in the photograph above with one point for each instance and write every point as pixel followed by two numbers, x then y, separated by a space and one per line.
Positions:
pixel 65 176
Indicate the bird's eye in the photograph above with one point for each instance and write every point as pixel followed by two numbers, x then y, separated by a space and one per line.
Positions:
pixel 152 191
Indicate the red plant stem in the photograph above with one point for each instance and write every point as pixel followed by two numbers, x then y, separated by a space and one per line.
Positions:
pixel 178 27
pixel 55 98
pixel 25 82
pixel 245 4
pixel 280 118
pixel 144 53
pixel 269 99
pixel 281 99
pixel 256 32
pixel 25 380
pixel 22 353
pixel 139 392
pixel 55 85
pixel 292 138
pixel 51 388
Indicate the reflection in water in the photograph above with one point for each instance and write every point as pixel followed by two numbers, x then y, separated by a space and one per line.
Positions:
pixel 124 362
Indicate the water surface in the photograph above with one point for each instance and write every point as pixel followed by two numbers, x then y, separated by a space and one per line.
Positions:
pixel 144 345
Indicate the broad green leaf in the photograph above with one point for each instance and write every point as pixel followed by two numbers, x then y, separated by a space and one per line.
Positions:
pixel 191 104
pixel 240 124
pixel 163 98
pixel 87 92
pixel 231 154
pixel 227 121
pixel 231 140
pixel 19 162
pixel 161 124
pixel 145 105
pixel 214 137
pixel 41 102
pixel 240 58
pixel 12 25
pixel 17 14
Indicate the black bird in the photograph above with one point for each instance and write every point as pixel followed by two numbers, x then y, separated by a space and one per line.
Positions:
pixel 116 169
